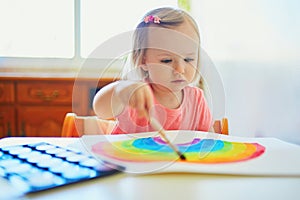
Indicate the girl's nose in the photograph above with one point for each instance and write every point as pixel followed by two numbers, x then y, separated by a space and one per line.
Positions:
pixel 179 67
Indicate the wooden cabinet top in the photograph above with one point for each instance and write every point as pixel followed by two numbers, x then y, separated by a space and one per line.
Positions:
pixel 31 74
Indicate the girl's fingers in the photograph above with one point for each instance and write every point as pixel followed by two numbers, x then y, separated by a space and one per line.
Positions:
pixel 142 101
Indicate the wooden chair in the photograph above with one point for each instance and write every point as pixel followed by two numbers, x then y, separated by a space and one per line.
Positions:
pixel 221 126
pixel 76 126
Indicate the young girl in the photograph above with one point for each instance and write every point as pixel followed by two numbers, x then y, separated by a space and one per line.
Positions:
pixel 166 53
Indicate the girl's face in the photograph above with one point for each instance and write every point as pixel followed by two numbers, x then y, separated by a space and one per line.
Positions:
pixel 172 56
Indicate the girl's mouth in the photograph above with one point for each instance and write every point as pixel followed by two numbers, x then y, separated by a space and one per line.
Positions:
pixel 178 81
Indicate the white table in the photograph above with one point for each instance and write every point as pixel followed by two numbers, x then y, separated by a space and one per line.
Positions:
pixel 167 186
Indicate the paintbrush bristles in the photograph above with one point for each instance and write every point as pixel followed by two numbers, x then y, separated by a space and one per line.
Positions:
pixel 157 126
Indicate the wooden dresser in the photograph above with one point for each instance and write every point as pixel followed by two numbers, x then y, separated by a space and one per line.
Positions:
pixel 35 104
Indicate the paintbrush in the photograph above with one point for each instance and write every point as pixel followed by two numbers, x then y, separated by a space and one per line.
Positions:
pixel 157 126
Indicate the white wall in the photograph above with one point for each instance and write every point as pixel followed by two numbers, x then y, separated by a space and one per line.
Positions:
pixel 262 100
pixel 255 45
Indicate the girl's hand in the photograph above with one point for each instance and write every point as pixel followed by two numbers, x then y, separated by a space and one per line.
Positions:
pixel 137 95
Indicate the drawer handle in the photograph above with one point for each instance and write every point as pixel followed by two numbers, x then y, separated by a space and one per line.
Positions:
pixel 40 94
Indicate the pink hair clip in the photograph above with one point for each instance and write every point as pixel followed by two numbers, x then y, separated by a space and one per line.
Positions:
pixel 151 18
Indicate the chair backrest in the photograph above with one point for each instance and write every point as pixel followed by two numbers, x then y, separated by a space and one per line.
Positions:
pixel 76 126
pixel 221 126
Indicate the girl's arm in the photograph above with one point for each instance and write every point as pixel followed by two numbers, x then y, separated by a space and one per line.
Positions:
pixel 111 100
pixel 103 105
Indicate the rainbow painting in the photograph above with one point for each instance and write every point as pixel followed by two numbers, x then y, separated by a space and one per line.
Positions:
pixel 154 149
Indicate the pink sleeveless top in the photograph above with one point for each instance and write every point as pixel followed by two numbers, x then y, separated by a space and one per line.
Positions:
pixel 193 114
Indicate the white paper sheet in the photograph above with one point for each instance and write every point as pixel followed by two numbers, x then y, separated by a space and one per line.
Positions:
pixel 279 158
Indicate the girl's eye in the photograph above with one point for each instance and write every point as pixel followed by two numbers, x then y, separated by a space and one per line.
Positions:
pixel 166 60
pixel 188 59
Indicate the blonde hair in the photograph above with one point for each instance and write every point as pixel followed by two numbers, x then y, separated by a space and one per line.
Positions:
pixel 169 17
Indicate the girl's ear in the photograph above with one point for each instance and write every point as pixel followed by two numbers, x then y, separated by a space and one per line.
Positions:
pixel 143 64
pixel 144 67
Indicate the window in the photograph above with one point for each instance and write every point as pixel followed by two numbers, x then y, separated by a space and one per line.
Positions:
pixel 119 19
pixel 34 28
pixel 64 30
